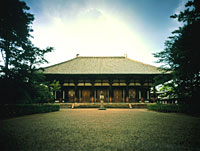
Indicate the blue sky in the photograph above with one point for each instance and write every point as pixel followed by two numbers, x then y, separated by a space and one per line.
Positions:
pixel 137 28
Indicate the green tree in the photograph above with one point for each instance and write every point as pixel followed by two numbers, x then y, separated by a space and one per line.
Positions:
pixel 15 27
pixel 182 52
pixel 20 78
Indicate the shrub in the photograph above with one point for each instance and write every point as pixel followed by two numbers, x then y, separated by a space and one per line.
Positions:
pixel 97 105
pixel 87 105
pixel 117 105
pixel 13 110
pixel 41 94
pixel 175 108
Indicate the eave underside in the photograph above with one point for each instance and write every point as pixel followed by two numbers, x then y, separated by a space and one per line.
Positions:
pixel 103 78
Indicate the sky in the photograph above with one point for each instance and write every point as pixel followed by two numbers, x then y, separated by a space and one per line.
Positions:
pixel 137 28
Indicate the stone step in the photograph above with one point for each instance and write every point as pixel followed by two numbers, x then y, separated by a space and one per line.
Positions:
pixel 106 105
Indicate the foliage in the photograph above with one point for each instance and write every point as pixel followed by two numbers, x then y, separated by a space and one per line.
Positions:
pixel 55 86
pixel 97 105
pixel 41 94
pixel 20 77
pixel 13 110
pixel 163 107
pixel 181 54
pixel 175 108
pixel 168 90
pixel 167 87
pixel 14 30
pixel 87 105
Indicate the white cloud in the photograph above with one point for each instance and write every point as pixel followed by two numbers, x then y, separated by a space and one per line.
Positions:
pixel 90 31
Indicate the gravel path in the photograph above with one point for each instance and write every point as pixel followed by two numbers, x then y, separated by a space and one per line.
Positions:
pixel 93 129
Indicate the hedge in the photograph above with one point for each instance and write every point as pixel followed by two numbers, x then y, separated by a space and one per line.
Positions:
pixel 117 105
pixel 175 108
pixel 97 105
pixel 86 105
pixel 13 110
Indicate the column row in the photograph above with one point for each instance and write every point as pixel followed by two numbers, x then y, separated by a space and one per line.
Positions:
pixel 111 94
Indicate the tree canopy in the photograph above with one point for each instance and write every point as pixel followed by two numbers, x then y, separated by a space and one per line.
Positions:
pixel 20 58
pixel 182 53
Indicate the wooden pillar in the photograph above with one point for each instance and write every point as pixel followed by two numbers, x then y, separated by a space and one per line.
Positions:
pixel 76 92
pixel 64 94
pixel 154 94
pixel 148 94
pixel 142 92
pixel 139 94
pixel 127 92
pixel 55 95
pixel 92 92
pixel 95 95
pixel 61 92
pixel 110 92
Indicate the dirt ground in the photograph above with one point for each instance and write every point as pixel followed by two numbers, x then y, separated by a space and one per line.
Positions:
pixel 93 129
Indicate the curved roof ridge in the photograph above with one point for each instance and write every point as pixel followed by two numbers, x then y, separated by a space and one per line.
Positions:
pixel 141 62
pixel 101 65
pixel 60 63
pixel 100 57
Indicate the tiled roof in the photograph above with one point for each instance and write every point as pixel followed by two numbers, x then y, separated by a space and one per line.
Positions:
pixel 101 65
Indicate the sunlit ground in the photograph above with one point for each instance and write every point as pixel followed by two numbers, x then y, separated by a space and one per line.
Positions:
pixel 93 129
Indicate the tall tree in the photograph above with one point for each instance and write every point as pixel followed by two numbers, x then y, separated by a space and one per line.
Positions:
pixel 15 27
pixel 20 58
pixel 182 52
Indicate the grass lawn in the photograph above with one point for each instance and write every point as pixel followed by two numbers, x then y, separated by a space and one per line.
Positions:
pixel 93 129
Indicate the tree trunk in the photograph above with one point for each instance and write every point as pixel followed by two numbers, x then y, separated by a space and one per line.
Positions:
pixel 7 57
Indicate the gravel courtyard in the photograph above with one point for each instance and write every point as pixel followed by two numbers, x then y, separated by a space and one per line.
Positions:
pixel 93 129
